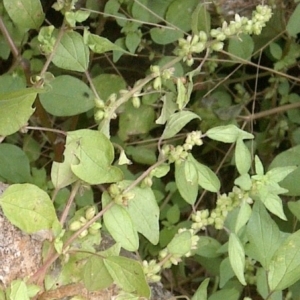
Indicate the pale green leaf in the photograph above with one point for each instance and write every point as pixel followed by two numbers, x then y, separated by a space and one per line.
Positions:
pixel 285 264
pixel 176 122
pixel 237 257
pixel 99 44
pixel 259 169
pixel 244 182
pixel 290 157
pixel 242 157
pixel 228 134
pixel 119 224
pixel 294 207
pixel 61 101
pixel 72 54
pixel 61 173
pixel 201 293
pixel 19 290
pixel 263 234
pixel 28 207
pixel 139 209
pixel 16 108
pixel 132 41
pixel 243 216
pixel 292 26
pixel 279 173
pixel 186 177
pixel 207 179
pixel 181 243
pixel 95 154
pixel 169 107
pixel 27 14
pixel 95 275
pixel 128 275
pixel 226 293
pixel 15 166
pixel 271 201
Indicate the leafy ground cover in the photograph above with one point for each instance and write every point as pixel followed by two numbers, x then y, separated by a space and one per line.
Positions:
pixel 172 126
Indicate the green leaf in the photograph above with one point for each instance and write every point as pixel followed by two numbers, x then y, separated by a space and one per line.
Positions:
pixel 176 122
pixel 259 169
pixel 27 14
pixel 61 101
pixel 237 257
pixel 242 157
pixel 201 293
pixel 226 272
pixel 95 154
pixel 179 13
pixel 119 224
pixel 132 41
pixel 11 83
pixel 292 26
pixel 279 173
pixel 149 11
pixel 243 216
pixel 226 293
pixel 181 243
pixel 61 173
pixel 276 50
pixel 19 290
pixel 16 108
pixel 99 44
pixel 186 177
pixel 28 207
pixel 244 182
pixel 271 201
pixel 72 54
pixel 142 155
pixel 164 36
pixel 95 275
pixel 14 164
pixel 207 179
pixel 208 247
pixel 169 107
pixel 228 134
pixel 139 209
pixel 284 266
pixel 107 84
pixel 290 157
pixel 241 46
pixel 294 207
pixel 200 19
pixel 263 234
pixel 128 274
pixel 135 120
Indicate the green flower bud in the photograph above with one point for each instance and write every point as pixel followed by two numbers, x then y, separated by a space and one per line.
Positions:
pixel 157 83
pixel 99 103
pixel 90 212
pixel 83 234
pixel 217 46
pixel 136 102
pixel 99 115
pixel 94 228
pixel 74 226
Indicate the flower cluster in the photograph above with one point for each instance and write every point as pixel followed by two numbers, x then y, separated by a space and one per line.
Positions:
pixel 225 204
pixel 92 229
pixel 102 109
pixel 160 76
pixel 199 42
pixel 116 193
pixel 179 153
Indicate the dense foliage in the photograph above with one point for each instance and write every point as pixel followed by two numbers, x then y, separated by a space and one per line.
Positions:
pixel 172 126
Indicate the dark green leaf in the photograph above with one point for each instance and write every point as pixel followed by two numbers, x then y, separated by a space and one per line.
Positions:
pixel 14 164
